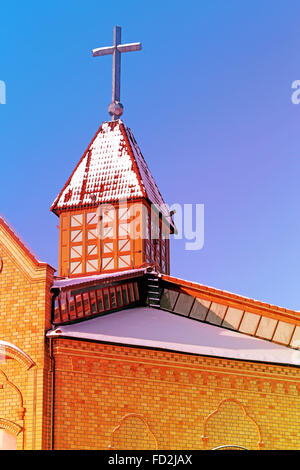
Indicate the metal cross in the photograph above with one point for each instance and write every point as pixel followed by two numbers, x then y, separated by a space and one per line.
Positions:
pixel 115 109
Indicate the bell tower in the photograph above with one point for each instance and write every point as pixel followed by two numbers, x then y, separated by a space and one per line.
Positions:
pixel 112 215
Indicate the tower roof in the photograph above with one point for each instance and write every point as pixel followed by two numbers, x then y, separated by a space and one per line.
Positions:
pixel 111 169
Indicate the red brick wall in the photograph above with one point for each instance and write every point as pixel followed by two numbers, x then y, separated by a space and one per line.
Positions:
pixel 165 398
pixel 25 306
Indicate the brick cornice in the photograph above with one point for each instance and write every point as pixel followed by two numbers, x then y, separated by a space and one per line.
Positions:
pixel 34 271
pixel 10 426
pixel 103 363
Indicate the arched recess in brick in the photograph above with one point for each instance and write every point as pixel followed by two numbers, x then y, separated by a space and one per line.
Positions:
pixel 16 389
pixel 8 434
pixel 132 437
pixel 204 436
pixel 20 410
pixel 10 426
pixel 11 351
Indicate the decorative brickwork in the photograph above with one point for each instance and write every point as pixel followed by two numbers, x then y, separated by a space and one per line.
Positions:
pixel 143 433
pixel 204 436
pixel 96 385
pixel 25 304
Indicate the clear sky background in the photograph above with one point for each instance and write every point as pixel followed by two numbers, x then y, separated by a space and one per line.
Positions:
pixel 209 102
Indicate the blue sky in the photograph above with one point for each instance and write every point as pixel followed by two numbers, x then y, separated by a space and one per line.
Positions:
pixel 209 102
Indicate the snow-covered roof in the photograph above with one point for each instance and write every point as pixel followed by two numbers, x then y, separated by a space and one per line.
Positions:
pixel 67 282
pixel 5 344
pixel 154 328
pixel 112 169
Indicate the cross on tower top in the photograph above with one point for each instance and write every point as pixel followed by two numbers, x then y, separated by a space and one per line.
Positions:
pixel 115 108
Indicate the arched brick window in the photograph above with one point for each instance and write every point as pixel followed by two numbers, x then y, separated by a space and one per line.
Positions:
pixel 8 441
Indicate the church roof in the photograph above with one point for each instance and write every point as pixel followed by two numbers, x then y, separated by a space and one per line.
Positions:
pixel 155 328
pixel 233 299
pixel 61 283
pixel 189 299
pixel 111 169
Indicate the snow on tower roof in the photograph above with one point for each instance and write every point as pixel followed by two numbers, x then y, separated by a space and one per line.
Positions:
pixel 111 169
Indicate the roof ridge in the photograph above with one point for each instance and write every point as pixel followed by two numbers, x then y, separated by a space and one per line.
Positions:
pixel 150 176
pixel 232 295
pixel 21 242
pixel 54 204
pixel 124 129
